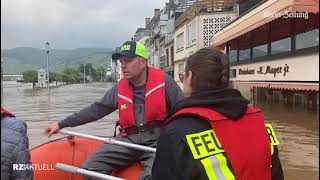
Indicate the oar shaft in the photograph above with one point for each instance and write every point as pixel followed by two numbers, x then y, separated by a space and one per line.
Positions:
pixel 76 170
pixel 110 141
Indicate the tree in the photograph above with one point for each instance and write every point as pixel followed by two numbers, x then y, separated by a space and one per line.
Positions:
pixel 100 73
pixel 89 70
pixel 30 76
pixel 70 75
pixel 54 77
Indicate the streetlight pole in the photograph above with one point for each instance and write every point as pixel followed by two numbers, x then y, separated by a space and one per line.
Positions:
pixel 84 73
pixel 48 80
pixel 1 81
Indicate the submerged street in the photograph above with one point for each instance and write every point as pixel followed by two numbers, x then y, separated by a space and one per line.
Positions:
pixel 296 128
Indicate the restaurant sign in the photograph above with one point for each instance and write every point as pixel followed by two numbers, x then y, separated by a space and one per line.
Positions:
pixel 264 70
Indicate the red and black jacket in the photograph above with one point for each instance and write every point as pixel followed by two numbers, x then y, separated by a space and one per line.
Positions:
pixel 225 112
pixel 155 99
pixel 247 163
pixel 6 113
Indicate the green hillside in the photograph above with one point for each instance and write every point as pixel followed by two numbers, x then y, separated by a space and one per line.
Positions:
pixel 13 66
pixel 97 60
pixel 17 60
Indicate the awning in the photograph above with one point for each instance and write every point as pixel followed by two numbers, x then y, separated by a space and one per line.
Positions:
pixel 306 87
pixel 284 86
pixel 262 15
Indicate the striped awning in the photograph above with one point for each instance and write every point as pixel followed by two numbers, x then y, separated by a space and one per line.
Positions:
pixel 284 86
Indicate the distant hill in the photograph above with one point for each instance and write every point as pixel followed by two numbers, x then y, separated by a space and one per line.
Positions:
pixel 17 60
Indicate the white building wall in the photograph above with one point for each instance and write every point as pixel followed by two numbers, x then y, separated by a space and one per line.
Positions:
pixel 180 54
pixel 298 68
pixel 206 26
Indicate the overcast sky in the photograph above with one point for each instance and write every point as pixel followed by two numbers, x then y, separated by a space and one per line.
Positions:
pixel 68 24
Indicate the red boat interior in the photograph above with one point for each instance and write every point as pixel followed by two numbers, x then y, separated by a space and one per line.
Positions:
pixel 72 151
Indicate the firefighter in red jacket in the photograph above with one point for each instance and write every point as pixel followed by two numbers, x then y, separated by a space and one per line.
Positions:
pixel 214 133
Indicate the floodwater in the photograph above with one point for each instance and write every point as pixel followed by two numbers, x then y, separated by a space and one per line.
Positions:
pixel 297 129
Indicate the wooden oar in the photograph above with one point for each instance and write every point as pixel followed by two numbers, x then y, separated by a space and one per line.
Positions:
pixel 76 170
pixel 110 141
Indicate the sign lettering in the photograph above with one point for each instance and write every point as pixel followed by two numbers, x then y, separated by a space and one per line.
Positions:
pixel 266 70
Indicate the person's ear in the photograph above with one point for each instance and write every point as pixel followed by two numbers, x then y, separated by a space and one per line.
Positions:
pixel 188 77
pixel 187 89
pixel 143 61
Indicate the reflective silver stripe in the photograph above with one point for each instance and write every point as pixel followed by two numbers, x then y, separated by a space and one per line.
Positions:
pixel 216 168
pixel 154 89
pixel 125 98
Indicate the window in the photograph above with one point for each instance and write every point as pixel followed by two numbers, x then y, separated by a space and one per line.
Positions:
pixel 260 41
pixel 180 68
pixel 191 33
pixel 232 50
pixel 280 35
pixel 233 73
pixel 307 31
pixel 171 56
pixel 180 42
pixel 162 61
pixel 167 56
pixel 244 47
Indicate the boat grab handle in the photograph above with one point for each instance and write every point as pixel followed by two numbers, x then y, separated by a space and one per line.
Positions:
pixel 76 170
pixel 110 141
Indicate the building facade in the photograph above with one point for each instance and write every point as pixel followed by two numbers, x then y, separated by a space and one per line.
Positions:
pixel 273 50
pixel 197 25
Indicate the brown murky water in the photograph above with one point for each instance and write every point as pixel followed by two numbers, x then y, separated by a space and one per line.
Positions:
pixel 297 129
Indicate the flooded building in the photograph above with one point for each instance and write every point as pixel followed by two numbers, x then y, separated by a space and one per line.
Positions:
pixel 197 25
pixel 274 52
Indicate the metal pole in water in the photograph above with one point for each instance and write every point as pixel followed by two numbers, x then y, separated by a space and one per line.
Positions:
pixel 1 82
pixel 84 73
pixel 48 80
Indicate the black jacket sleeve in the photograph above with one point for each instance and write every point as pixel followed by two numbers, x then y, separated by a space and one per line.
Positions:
pixel 276 169
pixel 164 166
pixel 173 93
pixel 174 160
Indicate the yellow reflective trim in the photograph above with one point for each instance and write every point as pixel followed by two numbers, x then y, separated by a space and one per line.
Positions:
pixel 204 144
pixel 272 149
pixel 272 135
pixel 224 167
pixel 209 169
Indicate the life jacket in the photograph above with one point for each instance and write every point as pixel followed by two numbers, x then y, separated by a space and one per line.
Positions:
pixel 245 141
pixel 6 113
pixel 155 104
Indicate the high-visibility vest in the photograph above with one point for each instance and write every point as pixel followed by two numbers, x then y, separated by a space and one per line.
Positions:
pixel 155 99
pixel 245 142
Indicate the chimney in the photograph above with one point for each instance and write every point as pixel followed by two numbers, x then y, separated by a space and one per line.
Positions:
pixel 156 12
pixel 147 22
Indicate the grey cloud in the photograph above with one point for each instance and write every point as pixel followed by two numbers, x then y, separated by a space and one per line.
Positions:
pixel 72 23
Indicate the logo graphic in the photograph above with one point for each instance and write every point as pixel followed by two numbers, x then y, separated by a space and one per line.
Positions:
pixel 124 106
pixel 125 48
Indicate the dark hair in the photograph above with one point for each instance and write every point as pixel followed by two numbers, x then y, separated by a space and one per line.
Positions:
pixel 210 69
